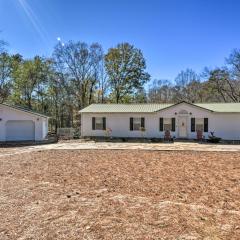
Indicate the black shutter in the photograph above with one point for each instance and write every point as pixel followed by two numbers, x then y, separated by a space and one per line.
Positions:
pixel 142 122
pixel 205 124
pixel 173 124
pixel 104 123
pixel 93 123
pixel 131 124
pixel 161 124
pixel 192 124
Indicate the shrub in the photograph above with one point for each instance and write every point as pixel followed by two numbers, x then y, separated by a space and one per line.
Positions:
pixel 213 139
pixel 76 134
pixel 155 140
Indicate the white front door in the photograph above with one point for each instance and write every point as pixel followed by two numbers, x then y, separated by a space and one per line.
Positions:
pixel 182 127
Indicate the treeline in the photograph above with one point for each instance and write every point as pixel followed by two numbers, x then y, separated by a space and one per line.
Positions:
pixel 212 85
pixel 78 74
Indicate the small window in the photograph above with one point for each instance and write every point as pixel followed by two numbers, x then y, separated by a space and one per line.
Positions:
pixel 167 124
pixel 99 123
pixel 199 124
pixel 136 124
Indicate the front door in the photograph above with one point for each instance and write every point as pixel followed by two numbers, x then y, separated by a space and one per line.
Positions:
pixel 182 127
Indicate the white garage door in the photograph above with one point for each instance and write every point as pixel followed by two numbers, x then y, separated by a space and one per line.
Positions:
pixel 20 130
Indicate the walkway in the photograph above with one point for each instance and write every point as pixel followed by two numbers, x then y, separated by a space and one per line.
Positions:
pixel 71 145
pixel 177 146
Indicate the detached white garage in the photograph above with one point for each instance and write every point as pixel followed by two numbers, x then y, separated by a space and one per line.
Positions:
pixel 18 124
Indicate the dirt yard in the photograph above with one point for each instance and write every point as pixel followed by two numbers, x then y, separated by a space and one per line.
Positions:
pixel 124 194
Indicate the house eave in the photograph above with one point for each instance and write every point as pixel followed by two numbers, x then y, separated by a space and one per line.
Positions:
pixel 25 110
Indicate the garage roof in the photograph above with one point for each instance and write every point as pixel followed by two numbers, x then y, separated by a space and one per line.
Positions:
pixel 155 107
pixel 25 110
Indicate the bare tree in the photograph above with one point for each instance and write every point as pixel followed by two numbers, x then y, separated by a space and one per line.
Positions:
pixel 233 62
pixel 97 57
pixel 226 80
pixel 186 82
pixel 228 88
pixel 103 82
pixel 160 91
pixel 79 62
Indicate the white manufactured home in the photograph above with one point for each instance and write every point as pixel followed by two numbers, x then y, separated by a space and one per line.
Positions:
pixel 183 120
pixel 18 124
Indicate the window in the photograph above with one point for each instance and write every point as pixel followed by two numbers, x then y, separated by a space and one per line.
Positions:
pixel 199 124
pixel 98 123
pixel 167 124
pixel 136 124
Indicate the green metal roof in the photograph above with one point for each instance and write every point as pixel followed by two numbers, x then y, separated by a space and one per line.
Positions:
pixel 25 110
pixel 155 107
pixel 124 108
pixel 221 107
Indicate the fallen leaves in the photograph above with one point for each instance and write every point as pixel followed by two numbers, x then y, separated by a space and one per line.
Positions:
pixel 129 194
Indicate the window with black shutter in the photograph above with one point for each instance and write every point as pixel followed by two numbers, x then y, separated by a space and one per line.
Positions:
pixel 136 124
pixel 98 123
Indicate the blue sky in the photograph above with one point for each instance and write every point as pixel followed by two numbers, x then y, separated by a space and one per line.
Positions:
pixel 173 34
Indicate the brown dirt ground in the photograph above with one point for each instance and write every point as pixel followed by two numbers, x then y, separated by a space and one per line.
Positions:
pixel 97 194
